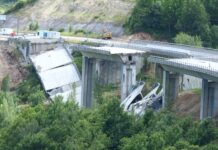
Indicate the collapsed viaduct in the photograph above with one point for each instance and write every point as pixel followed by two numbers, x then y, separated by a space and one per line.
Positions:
pixel 176 60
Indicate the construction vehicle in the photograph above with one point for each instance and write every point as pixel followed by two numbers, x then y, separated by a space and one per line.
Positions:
pixel 137 104
pixel 106 35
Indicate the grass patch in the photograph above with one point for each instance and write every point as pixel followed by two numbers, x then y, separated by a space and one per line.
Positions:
pixel 81 33
pixel 196 91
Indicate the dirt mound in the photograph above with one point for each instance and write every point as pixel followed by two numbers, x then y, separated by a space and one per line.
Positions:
pixel 137 36
pixel 9 65
pixel 188 104
pixel 141 36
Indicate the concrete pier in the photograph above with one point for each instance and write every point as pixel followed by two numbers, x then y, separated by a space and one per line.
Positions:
pixel 170 87
pixel 87 81
pixel 209 99
pixel 128 79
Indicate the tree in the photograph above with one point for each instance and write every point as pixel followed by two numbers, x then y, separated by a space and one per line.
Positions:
pixel 136 142
pixel 185 145
pixel 183 38
pixel 37 97
pixel 193 19
pixel 212 9
pixel 8 108
pixel 170 13
pixel 147 15
pixel 156 141
pixel 116 123
pixel 214 36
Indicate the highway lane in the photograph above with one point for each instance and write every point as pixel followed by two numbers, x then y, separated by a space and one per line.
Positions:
pixel 153 47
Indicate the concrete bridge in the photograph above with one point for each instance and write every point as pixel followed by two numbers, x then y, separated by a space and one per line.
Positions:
pixel 93 57
pixel 176 60
pixel 204 69
pixel 118 61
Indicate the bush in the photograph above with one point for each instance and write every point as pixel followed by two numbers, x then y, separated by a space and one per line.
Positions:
pixel 183 38
pixel 30 88
pixel 61 30
pixel 33 26
pixel 5 84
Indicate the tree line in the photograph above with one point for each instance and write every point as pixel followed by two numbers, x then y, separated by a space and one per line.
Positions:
pixel 65 126
pixel 27 123
pixel 170 17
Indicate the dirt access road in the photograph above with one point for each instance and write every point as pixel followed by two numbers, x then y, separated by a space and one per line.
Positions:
pixel 9 66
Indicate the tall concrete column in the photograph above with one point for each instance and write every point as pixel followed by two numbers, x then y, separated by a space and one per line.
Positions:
pixel 209 99
pixel 166 81
pixel 87 81
pixel 158 71
pixel 97 69
pixel 128 79
pixel 170 87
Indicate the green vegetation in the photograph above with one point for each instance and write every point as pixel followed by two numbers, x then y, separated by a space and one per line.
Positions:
pixel 64 126
pixel 77 59
pixel 61 30
pixel 197 91
pixel 18 4
pixel 5 84
pixel 169 17
pixel 33 26
pixel 4 6
pixel 183 38
pixel 59 125
pixel 80 33
pixel 30 90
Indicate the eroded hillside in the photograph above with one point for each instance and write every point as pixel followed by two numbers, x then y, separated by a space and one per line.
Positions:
pixel 92 15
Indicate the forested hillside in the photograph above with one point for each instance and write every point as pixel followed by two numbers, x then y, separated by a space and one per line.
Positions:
pixel 166 18
pixel 65 126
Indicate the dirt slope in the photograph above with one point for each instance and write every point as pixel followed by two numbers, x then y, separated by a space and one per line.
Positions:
pixel 188 104
pixel 95 15
pixel 9 66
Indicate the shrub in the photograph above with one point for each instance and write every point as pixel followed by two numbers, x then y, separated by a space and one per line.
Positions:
pixel 183 38
pixel 5 84
pixel 33 26
pixel 61 30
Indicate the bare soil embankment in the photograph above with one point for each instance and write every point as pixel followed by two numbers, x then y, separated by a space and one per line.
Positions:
pixel 188 104
pixel 9 65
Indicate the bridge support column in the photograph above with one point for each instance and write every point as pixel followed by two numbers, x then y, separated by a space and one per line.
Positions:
pixel 158 71
pixel 128 79
pixel 209 99
pixel 87 81
pixel 170 87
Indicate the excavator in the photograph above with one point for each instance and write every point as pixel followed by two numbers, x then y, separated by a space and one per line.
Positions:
pixel 137 104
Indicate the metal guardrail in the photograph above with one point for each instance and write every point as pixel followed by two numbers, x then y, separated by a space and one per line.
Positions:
pixel 175 45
